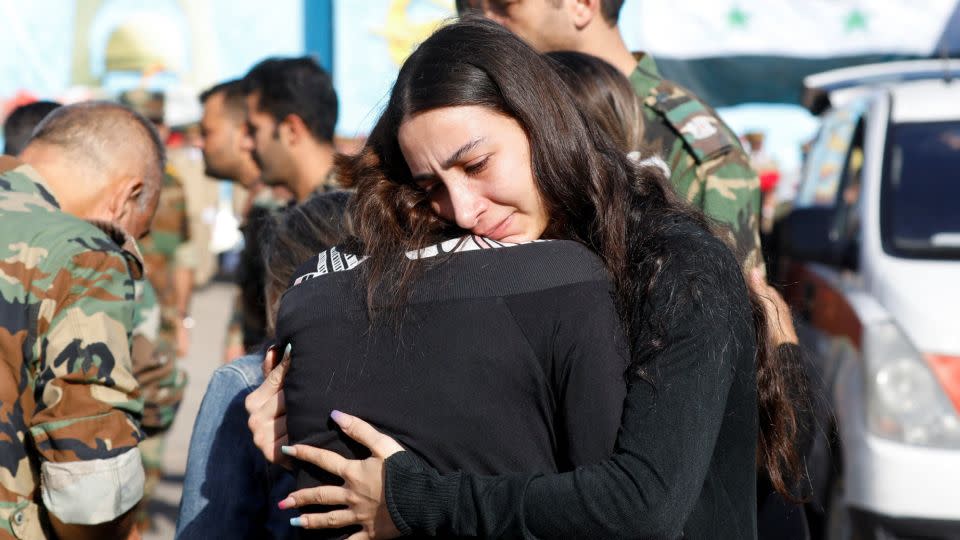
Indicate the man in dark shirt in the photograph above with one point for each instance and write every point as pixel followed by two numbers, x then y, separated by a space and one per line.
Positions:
pixel 291 115
pixel 227 155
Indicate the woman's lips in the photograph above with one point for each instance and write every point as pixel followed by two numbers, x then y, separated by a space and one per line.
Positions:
pixel 500 231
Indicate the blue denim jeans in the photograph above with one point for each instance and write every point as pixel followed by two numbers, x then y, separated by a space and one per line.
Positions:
pixel 230 490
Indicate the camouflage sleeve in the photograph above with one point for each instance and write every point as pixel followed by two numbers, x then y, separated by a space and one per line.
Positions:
pixel 186 256
pixel 710 168
pixel 728 191
pixel 146 316
pixel 86 426
pixel 162 383
pixel 170 233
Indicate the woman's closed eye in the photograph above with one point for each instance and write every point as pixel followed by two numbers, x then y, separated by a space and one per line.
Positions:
pixel 476 166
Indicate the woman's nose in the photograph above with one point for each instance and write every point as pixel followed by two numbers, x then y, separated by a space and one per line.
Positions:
pixel 467 206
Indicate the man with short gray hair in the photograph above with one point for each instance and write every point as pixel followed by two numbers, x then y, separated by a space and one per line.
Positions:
pixel 70 406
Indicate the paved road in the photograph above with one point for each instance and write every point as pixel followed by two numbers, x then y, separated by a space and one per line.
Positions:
pixel 211 309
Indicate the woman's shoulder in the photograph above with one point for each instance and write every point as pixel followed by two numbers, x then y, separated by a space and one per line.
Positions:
pixel 573 256
pixel 696 268
pixel 691 244
pixel 533 265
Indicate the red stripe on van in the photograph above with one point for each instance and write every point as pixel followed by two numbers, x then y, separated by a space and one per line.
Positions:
pixel 947 370
pixel 829 310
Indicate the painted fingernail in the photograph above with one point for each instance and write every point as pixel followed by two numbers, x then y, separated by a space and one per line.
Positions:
pixel 338 417
pixel 288 450
pixel 287 350
pixel 297 522
pixel 286 503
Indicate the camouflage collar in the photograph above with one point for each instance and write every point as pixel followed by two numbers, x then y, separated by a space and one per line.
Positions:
pixel 125 242
pixel 32 181
pixel 646 76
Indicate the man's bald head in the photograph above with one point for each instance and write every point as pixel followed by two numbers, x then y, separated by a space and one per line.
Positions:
pixel 110 138
pixel 93 154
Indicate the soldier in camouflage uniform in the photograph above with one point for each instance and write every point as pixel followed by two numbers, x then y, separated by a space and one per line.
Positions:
pixel 708 165
pixel 70 406
pixel 162 382
pixel 159 340
pixel 169 260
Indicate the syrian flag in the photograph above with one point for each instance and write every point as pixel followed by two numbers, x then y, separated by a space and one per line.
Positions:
pixel 739 51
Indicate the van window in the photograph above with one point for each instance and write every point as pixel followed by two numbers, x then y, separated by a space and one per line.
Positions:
pixel 825 164
pixel 921 195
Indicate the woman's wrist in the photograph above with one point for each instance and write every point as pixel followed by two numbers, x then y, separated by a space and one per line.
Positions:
pixel 419 499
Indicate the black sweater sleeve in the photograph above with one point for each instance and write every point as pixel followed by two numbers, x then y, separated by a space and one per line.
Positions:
pixel 665 446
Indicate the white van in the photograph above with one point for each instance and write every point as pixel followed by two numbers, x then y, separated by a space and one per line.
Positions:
pixel 871 263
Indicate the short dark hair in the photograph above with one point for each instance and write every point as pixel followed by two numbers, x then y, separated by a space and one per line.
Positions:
pixel 19 125
pixel 233 96
pixel 464 5
pixel 296 86
pixel 610 9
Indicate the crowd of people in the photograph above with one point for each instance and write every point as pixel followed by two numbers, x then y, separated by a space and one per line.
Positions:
pixel 533 304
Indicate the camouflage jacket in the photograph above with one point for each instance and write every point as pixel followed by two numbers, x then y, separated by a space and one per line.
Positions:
pixel 709 166
pixel 166 249
pixel 69 404
pixel 162 383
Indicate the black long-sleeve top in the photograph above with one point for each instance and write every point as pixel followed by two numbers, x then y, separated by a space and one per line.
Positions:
pixel 685 459
pixel 505 360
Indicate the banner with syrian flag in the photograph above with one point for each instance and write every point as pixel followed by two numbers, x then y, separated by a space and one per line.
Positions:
pixel 739 51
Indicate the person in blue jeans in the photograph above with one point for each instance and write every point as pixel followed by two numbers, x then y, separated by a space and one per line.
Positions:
pixel 230 490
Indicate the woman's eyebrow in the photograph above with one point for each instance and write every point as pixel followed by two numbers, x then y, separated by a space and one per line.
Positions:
pixel 452 160
pixel 456 156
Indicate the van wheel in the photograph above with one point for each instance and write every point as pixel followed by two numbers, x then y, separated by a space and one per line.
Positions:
pixel 839 525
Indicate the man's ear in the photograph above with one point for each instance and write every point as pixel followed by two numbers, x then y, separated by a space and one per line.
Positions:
pixel 583 12
pixel 126 197
pixel 293 128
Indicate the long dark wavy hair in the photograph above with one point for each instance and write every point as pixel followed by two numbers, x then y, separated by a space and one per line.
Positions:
pixel 593 193
pixel 604 95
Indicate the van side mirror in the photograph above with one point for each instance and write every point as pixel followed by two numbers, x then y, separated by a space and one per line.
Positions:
pixel 810 234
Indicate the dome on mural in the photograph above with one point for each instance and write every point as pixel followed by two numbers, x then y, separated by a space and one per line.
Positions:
pixel 145 42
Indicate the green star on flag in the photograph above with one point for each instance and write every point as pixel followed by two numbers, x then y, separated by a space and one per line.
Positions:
pixel 737 17
pixel 856 20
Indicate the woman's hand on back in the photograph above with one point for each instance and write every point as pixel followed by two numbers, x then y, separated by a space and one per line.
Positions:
pixel 362 492
pixel 268 413
pixel 779 321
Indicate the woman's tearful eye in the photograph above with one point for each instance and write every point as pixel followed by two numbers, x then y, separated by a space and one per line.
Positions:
pixel 476 166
